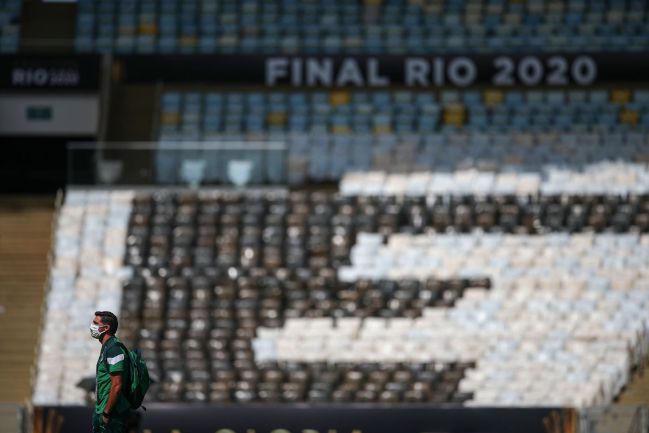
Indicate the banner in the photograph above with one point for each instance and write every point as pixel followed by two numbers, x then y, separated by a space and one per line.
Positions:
pixel 82 72
pixel 416 71
pixel 349 418
pixel 49 72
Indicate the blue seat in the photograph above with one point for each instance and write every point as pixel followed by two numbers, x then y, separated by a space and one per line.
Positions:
pixel 207 44
pixel 124 44
pixel 84 43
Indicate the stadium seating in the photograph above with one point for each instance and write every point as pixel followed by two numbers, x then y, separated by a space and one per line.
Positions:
pixel 369 27
pixel 617 178
pixel 326 382
pixel 500 162
pixel 331 133
pixel 89 248
pixel 539 312
pixel 277 296
pixel 486 246
pixel 194 115
pixel 10 12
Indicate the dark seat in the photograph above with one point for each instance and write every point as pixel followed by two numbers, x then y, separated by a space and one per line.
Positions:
pixel 211 267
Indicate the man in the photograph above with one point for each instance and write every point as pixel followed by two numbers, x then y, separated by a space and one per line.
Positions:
pixel 112 408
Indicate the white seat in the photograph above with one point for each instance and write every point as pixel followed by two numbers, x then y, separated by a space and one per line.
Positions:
pixel 88 255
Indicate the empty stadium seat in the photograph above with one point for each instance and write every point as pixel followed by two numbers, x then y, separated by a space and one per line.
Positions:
pixel 89 248
pixel 605 178
pixel 330 134
pixel 290 297
pixel 207 26
pixel 184 115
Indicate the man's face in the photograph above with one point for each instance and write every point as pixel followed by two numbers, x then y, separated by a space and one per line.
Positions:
pixel 97 328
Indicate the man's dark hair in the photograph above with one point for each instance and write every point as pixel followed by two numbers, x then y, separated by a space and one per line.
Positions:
pixel 108 318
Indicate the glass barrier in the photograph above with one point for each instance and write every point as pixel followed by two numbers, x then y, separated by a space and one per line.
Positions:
pixel 177 164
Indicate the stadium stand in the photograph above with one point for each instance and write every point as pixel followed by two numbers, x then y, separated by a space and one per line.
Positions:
pixel 369 27
pixel 485 245
pixel 10 14
pixel 249 296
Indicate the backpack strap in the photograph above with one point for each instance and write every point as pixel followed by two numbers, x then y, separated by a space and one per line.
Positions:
pixel 103 355
pixel 127 361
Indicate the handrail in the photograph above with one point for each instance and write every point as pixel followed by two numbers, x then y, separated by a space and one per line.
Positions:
pixel 177 162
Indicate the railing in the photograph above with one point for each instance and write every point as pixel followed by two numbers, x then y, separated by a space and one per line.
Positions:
pixel 177 164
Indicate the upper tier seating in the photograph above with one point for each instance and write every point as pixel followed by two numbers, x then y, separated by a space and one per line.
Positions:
pixel 10 11
pixel 196 116
pixel 371 26
pixel 275 296
pixel 331 133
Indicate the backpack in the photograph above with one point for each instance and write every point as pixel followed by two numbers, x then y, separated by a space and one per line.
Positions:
pixel 137 378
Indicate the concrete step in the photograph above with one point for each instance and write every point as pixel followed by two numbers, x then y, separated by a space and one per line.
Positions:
pixel 637 390
pixel 617 419
pixel 25 237
pixel 10 419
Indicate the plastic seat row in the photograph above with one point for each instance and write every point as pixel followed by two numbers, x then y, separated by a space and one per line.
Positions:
pixel 489 97
pixel 317 230
pixel 397 26
pixel 195 116
pixel 612 178
pixel 585 256
pixel 327 383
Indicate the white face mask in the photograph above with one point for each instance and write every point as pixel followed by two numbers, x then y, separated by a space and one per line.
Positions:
pixel 94 331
